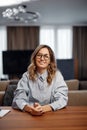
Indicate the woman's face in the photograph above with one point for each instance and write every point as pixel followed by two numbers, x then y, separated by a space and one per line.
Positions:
pixel 42 59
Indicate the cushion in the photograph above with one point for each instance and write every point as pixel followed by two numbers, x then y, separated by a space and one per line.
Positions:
pixel 77 98
pixel 73 84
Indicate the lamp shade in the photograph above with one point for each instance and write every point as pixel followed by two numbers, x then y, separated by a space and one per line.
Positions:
pixel 11 2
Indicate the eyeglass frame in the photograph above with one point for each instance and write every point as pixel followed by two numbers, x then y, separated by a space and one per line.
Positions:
pixel 45 56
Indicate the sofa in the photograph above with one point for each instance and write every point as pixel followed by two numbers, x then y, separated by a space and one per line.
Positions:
pixel 77 92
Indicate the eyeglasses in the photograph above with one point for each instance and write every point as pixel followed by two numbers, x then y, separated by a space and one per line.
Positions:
pixel 45 56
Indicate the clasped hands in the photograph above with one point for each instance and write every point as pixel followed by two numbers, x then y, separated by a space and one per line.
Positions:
pixel 37 109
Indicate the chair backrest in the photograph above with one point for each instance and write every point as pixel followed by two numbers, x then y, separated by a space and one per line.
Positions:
pixel 9 93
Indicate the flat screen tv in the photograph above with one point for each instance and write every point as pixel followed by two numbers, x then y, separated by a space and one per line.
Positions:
pixel 16 62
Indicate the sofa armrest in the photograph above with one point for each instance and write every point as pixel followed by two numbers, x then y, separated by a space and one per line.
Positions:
pixel 77 98
pixel 3 85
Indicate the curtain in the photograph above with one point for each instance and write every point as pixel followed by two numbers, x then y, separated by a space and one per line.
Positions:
pixel 59 39
pixel 80 50
pixel 3 47
pixel 22 38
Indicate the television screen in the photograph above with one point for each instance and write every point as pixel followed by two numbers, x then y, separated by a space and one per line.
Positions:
pixel 16 62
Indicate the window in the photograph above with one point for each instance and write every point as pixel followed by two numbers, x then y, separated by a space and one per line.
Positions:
pixel 59 39
pixel 47 36
pixel 64 41
pixel 3 46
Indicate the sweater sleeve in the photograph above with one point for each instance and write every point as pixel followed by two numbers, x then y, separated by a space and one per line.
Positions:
pixel 21 93
pixel 59 96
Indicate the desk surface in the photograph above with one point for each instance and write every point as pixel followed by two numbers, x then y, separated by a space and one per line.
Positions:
pixel 69 118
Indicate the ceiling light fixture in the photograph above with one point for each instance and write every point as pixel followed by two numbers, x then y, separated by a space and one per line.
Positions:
pixel 12 2
pixel 20 14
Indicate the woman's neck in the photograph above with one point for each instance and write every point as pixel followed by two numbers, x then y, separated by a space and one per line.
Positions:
pixel 41 71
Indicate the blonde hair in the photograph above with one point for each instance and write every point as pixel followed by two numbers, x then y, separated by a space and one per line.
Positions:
pixel 51 69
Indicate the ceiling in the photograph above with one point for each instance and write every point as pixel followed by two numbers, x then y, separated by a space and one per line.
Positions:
pixel 53 12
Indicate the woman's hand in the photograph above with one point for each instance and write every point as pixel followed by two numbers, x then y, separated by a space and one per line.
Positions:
pixel 45 108
pixel 36 109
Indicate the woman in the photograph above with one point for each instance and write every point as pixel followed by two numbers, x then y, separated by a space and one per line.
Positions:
pixel 42 87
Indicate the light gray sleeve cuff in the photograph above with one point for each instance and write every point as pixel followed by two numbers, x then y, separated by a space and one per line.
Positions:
pixel 21 105
pixel 56 105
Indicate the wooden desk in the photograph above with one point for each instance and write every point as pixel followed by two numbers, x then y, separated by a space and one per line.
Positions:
pixel 70 118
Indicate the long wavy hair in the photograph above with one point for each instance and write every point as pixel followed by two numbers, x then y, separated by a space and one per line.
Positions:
pixel 51 69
